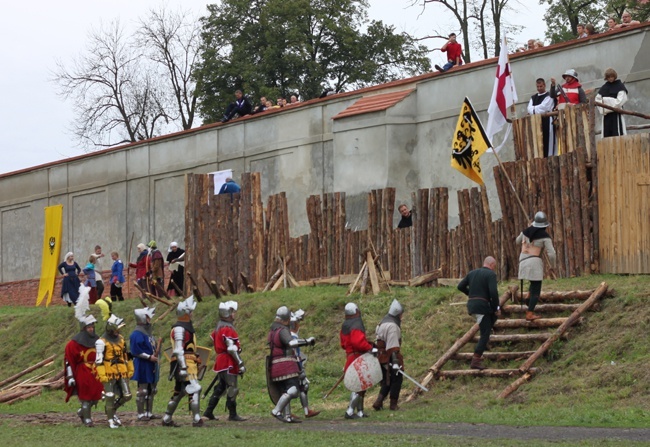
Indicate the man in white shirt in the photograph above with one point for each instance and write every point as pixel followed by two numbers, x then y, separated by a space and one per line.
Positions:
pixel 541 103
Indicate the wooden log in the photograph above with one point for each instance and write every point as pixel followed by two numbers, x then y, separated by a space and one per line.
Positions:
pixel 557 296
pixel 247 285
pixel 364 280
pixel 223 290
pixel 306 283
pixel 499 338
pixel 167 312
pixel 541 323
pixel 278 283
pixel 514 386
pixel 176 288
pixel 162 291
pixel 153 297
pixel 544 308
pixel 575 316
pixel 28 370
pixel 231 286
pixel 481 373
pixel 425 279
pixel 212 285
pixel 273 279
pixel 25 396
pixel 195 287
pixel 143 294
pixel 496 356
pixel 358 279
pixel 372 273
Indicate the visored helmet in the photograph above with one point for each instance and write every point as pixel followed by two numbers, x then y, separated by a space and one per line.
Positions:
pixel 227 308
pixel 142 314
pixel 114 323
pixel 186 307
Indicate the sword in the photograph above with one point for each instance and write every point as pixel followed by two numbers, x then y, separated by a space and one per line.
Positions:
pixel 412 380
pixel 216 376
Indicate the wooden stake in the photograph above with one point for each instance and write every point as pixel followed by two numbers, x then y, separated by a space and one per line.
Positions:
pixel 28 370
pixel 516 384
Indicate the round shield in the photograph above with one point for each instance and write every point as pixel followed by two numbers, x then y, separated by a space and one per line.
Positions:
pixel 363 372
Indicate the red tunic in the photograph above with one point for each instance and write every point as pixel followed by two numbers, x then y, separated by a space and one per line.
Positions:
pixel 82 362
pixel 572 91
pixel 284 364
pixel 224 361
pixel 353 340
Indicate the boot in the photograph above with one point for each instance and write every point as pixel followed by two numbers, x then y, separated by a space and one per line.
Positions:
pixel 311 413
pixel 393 404
pixel 379 403
pixel 530 316
pixel 477 362
pixel 209 411
pixel 232 408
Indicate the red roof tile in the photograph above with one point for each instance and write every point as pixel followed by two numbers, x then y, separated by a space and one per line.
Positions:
pixel 374 103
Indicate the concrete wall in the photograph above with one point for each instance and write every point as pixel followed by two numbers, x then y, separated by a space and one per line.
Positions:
pixel 139 189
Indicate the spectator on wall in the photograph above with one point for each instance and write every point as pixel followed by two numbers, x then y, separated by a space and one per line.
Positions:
pixel 240 107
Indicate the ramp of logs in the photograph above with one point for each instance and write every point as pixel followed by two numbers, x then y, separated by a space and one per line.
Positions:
pixel 15 390
pixel 549 303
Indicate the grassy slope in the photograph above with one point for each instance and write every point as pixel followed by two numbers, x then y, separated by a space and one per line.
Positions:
pixel 599 377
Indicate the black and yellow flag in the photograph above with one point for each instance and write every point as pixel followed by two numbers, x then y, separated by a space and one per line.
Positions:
pixel 51 252
pixel 469 143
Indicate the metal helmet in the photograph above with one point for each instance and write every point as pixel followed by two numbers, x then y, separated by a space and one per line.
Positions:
pixel 142 314
pixel 283 313
pixel 298 315
pixel 540 220
pixel 395 308
pixel 87 321
pixel 114 323
pixel 351 309
pixel 186 307
pixel 571 72
pixel 227 309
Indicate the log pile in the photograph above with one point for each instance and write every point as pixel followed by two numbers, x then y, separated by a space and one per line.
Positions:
pixel 16 390
pixel 526 371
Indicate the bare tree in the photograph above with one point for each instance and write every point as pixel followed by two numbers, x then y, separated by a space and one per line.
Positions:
pixel 172 40
pixel 116 98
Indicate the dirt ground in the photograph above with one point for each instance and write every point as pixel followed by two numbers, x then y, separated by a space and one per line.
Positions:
pixel 522 433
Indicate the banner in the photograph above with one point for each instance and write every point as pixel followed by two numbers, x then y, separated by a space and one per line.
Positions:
pixel 468 144
pixel 51 252
pixel 504 95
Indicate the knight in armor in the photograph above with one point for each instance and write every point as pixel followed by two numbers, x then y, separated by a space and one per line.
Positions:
pixel 228 364
pixel 184 367
pixel 114 368
pixel 283 371
pixel 354 342
pixel 79 361
pixel 294 326
pixel 389 342
pixel 145 351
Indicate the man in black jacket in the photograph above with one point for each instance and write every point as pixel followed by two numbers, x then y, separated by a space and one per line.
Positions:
pixel 480 286
pixel 241 107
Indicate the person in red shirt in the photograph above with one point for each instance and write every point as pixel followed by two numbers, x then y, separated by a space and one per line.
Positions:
pixel 454 53
pixel 355 344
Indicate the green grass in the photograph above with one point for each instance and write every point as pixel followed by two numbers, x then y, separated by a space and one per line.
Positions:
pixel 597 378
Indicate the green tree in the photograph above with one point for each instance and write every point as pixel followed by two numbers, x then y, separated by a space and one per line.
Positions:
pixel 563 16
pixel 283 47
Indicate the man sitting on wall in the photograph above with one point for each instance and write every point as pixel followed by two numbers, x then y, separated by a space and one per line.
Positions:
pixel 241 107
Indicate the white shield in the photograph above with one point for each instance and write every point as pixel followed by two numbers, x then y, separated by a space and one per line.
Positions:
pixel 363 373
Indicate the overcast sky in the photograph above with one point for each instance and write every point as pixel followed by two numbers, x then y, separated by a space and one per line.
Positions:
pixel 33 35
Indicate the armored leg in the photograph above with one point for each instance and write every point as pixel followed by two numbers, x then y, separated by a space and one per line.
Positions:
pixel 283 403
pixel 195 408
pixel 84 413
pixel 141 401
pixel 231 399
pixel 153 390
pixel 123 392
pixel 351 412
pixel 179 393
pixel 109 403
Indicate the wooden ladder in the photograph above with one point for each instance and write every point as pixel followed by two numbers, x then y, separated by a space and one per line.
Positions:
pixel 526 371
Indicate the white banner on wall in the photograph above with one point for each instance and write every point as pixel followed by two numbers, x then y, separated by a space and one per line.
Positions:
pixel 220 178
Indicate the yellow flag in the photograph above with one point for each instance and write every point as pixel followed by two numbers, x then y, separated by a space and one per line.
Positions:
pixel 469 143
pixel 51 252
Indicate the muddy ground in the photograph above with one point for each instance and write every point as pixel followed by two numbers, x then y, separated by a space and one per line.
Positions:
pixel 522 433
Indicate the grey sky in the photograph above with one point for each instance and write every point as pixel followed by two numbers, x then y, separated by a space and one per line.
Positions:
pixel 33 36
